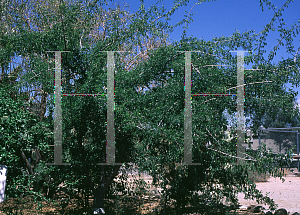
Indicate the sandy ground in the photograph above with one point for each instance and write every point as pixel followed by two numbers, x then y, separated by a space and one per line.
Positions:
pixel 286 194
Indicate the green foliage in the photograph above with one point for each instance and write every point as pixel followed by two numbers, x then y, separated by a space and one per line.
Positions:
pixel 20 130
pixel 148 125
pixel 161 139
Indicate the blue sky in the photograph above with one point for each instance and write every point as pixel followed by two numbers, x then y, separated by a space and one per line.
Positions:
pixel 222 18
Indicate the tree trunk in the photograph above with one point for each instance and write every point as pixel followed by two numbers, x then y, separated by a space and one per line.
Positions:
pixel 98 200
pixel 29 167
pixel 99 193
pixel 43 104
pixel 2 73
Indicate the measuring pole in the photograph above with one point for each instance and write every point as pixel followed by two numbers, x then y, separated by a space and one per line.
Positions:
pixel 298 150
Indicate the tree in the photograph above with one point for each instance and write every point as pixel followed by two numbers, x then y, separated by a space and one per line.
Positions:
pixel 148 129
pixel 21 132
pixel 162 147
pixel 33 32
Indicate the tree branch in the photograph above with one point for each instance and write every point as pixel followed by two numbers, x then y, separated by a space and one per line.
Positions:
pixel 295 57
pixel 29 167
pixel 232 155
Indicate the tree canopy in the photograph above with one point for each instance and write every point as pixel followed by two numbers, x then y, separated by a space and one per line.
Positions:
pixel 148 122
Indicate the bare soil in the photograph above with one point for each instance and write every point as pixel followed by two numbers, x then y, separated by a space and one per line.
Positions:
pixel 286 194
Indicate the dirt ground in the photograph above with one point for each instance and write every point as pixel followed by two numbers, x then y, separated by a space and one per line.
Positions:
pixel 284 194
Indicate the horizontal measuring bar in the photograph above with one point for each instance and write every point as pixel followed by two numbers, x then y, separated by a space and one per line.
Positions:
pixel 284 128
pixel 66 94
pixel 281 131
pixel 211 94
